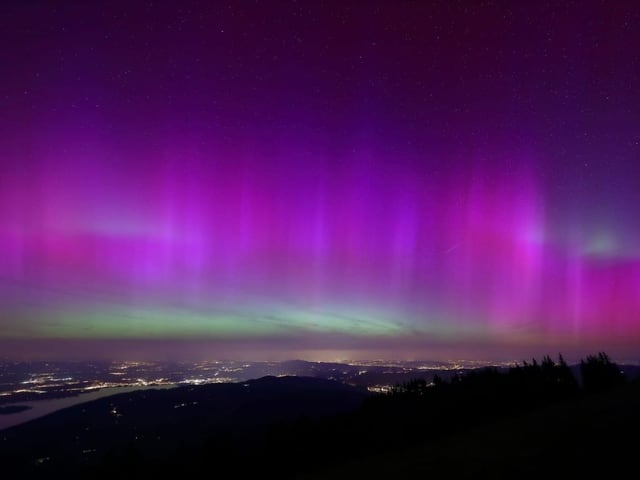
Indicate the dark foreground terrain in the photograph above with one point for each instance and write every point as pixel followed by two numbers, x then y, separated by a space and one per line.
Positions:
pixel 529 421
pixel 590 437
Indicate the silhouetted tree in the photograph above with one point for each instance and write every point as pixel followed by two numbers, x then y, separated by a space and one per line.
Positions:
pixel 600 373
pixel 565 378
pixel 414 387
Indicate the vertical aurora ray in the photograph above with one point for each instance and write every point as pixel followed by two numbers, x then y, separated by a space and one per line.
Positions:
pixel 287 253
pixel 326 184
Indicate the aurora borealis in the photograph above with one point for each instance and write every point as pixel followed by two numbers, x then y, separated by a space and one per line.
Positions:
pixel 398 179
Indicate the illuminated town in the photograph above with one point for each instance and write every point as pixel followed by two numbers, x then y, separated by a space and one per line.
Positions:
pixel 28 381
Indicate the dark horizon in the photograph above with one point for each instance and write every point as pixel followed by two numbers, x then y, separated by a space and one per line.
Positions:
pixel 539 416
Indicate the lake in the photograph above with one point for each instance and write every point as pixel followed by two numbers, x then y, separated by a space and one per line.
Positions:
pixel 40 408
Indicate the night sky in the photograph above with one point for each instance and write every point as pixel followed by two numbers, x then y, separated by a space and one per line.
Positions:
pixel 324 180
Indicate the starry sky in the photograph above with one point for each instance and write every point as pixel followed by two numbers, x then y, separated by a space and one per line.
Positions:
pixel 323 180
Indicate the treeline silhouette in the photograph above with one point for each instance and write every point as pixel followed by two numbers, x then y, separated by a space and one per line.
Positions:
pixel 600 373
pixel 534 382
pixel 419 409
pixel 415 413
